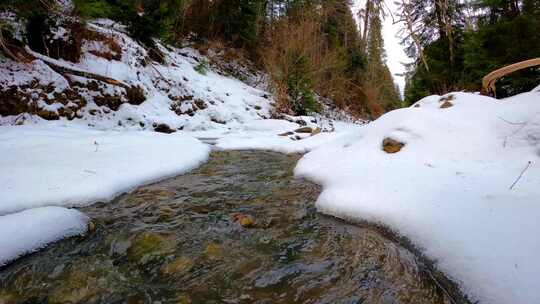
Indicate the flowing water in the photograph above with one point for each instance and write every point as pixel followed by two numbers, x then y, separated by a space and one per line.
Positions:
pixel 240 229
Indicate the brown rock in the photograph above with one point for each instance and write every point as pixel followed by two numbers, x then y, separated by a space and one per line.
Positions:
pixel 91 226
pixel 110 101
pixel 213 251
pixel 316 131
pixel 446 104
pixel 163 128
pixel 149 246
pixel 390 145
pixel 447 98
pixel 183 299
pixel 245 221
pixel 48 115
pixel 178 266
pixel 200 104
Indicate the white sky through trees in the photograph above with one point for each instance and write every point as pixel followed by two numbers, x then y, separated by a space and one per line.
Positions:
pixel 395 55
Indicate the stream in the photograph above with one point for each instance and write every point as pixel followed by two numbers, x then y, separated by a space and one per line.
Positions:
pixel 239 229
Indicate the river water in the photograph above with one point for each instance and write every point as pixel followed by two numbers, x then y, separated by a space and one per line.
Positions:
pixel 240 229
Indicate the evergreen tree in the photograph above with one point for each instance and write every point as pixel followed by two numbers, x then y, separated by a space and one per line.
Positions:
pixel 378 80
pixel 508 32
pixel 451 56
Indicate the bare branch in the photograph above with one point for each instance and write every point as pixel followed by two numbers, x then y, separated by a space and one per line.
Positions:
pixel 520 175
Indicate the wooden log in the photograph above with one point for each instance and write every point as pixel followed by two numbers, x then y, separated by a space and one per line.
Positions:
pixel 488 82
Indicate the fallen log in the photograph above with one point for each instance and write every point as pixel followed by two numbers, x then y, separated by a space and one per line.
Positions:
pixel 64 68
pixel 488 82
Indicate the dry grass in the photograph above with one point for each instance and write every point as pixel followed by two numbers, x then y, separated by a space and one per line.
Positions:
pixel 114 51
pixel 304 36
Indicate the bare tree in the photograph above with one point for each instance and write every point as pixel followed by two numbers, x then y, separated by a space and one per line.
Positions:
pixel 410 31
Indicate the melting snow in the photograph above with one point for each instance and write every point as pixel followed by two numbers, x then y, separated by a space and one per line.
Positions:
pixel 30 230
pixel 43 166
pixel 449 189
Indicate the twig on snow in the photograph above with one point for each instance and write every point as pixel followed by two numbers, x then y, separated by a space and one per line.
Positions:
pixel 512 123
pixel 520 175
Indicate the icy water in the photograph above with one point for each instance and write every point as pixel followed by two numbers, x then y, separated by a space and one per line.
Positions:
pixel 240 229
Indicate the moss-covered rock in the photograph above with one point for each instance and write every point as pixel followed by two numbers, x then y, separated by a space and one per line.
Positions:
pixel 213 251
pixel 180 265
pixel 149 246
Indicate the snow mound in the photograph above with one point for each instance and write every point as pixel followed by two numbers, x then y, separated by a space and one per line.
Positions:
pixel 454 189
pixel 302 143
pixel 31 230
pixel 44 165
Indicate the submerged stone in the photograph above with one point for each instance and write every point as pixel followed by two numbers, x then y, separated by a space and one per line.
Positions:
pixel 244 220
pixel 149 246
pixel 213 251
pixel 178 266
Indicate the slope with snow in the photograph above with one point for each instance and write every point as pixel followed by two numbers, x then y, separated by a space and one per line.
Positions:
pixel 454 189
pixel 184 92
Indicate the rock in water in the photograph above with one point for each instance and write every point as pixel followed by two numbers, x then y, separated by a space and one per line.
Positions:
pixel 148 246
pixel 178 266
pixel 213 251
pixel 245 221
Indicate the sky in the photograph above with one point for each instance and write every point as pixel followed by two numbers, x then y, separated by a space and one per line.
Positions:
pixel 395 54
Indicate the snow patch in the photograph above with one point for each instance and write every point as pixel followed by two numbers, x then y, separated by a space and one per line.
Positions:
pixel 449 189
pixel 44 165
pixel 30 230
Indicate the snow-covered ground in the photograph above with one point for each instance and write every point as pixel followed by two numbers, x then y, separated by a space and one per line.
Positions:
pixel 30 230
pixel 44 166
pixel 265 140
pixel 454 189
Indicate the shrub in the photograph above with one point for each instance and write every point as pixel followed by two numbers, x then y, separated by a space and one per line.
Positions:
pixel 93 8
pixel 135 95
pixel 202 67
pixel 299 86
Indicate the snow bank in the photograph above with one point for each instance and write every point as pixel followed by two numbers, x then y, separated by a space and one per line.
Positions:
pixel 45 165
pixel 264 135
pixel 30 230
pixel 449 188
pixel 272 142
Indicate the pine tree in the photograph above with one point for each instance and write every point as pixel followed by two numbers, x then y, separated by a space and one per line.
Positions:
pixel 378 84
pixel 508 32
